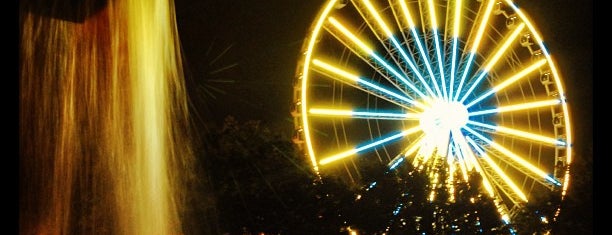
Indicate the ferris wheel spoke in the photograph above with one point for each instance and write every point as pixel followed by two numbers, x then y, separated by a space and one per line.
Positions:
pixel 348 113
pixel 475 44
pixel 518 107
pixel 455 39
pixel 509 81
pixel 369 145
pixel 363 48
pixel 521 134
pixel 516 161
pixel 493 60
pixel 434 29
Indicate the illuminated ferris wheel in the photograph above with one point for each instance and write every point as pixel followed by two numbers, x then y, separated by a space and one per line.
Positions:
pixel 468 85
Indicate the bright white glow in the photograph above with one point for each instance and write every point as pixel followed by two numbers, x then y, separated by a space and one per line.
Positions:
pixel 443 116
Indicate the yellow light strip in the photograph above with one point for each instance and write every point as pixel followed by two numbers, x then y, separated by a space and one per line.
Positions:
pixel 350 35
pixel 519 75
pixel 483 24
pixel 407 13
pixel 335 70
pixel 517 107
pixel 460 139
pixel 519 133
pixel 519 159
pixel 505 177
pixel 504 47
pixel 432 15
pixel 457 19
pixel 377 17
pixel 462 162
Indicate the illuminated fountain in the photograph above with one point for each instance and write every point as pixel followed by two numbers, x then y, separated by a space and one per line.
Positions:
pixel 104 134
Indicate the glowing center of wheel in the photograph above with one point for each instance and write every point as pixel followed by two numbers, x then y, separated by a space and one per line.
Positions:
pixel 443 116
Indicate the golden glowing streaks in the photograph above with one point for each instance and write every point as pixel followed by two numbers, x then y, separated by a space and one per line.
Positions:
pixel 365 48
pixel 304 91
pixel 483 25
pixel 360 81
pixel 335 70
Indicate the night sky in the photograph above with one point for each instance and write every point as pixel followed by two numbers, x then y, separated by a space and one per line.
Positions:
pixel 246 53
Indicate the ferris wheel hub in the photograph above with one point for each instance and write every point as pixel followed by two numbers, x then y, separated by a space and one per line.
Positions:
pixel 443 116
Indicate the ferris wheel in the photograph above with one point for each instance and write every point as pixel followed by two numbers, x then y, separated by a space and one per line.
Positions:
pixel 466 84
